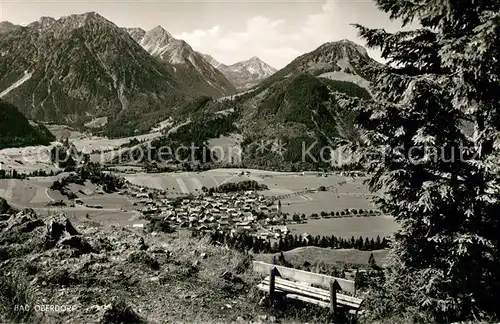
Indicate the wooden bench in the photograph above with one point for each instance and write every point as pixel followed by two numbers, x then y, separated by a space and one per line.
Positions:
pixel 296 284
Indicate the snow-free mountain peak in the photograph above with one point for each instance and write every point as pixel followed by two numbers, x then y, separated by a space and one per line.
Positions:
pixel 136 33
pixel 7 27
pixel 87 18
pixel 159 42
pixel 159 32
pixel 189 66
pixel 79 67
pixel 244 74
pixel 348 43
pixel 210 59
pixel 255 66
pixel 43 23
pixel 342 60
pixel 90 21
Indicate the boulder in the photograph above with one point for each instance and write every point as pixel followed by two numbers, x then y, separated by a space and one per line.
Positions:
pixel 141 244
pixel 120 312
pixel 144 258
pixel 58 227
pixel 17 225
pixel 5 207
pixel 76 243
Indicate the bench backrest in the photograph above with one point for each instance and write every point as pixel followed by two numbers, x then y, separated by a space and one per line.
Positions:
pixel 304 276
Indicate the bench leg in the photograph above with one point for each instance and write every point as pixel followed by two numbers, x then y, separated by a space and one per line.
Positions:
pixel 333 298
pixel 272 280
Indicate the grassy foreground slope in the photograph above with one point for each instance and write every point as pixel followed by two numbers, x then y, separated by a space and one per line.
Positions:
pixel 329 257
pixel 120 275
pixel 17 131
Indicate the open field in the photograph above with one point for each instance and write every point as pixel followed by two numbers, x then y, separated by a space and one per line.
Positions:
pixel 325 201
pixel 97 122
pixel 27 159
pixel 352 194
pixel 35 193
pixel 183 183
pixel 370 227
pixel 88 144
pixel 278 182
pixel 316 255
pixel 27 193
pixel 64 131
pixel 106 218
pixel 108 201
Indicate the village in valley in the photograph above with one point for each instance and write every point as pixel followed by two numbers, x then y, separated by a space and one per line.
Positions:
pixel 339 164
pixel 235 212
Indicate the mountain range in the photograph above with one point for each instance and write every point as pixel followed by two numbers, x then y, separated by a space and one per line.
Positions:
pixel 83 66
pixel 246 74
pixel 80 67
pixel 7 27
pixel 308 102
pixel 196 75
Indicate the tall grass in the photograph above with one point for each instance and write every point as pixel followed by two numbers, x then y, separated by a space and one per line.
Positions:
pixel 17 299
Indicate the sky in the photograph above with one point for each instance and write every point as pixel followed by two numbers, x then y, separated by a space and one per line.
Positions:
pixel 275 31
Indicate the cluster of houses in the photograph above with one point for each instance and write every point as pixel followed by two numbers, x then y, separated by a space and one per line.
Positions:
pixel 236 212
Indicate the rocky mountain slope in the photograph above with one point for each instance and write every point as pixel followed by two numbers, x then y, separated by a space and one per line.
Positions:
pixel 17 131
pixel 189 67
pixel 213 62
pixel 244 74
pixel 341 60
pixel 83 66
pixel 7 27
pixel 5 207
pixel 309 102
pixel 136 33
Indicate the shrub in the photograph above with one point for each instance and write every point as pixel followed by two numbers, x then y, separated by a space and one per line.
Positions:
pixel 159 225
pixel 144 258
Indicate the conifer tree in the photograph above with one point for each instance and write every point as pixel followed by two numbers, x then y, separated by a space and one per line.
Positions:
pixel 371 261
pixel 433 129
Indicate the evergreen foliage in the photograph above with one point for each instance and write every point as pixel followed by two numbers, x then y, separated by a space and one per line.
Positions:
pixel 246 242
pixel 440 183
pixel 188 144
pixel 238 186
pixel 16 130
pixel 4 206
pixel 90 172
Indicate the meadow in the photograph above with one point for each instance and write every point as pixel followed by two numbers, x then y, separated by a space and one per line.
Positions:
pixel 330 257
pixel 370 227
pixel 347 193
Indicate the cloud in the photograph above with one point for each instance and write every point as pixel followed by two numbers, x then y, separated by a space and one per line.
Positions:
pixel 197 37
pixel 283 53
pixel 261 37
pixel 277 41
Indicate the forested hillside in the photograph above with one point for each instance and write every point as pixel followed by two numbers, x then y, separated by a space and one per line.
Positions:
pixel 17 131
